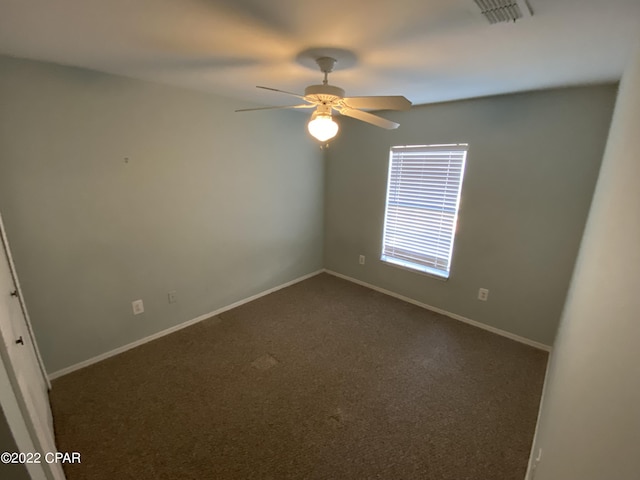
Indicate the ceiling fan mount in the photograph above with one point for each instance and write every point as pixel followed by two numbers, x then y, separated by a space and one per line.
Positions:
pixel 326 64
pixel 325 94
pixel 325 98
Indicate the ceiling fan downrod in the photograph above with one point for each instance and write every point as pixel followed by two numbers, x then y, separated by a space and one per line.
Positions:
pixel 326 65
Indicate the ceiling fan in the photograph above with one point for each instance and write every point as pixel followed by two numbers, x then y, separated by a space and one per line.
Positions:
pixel 325 98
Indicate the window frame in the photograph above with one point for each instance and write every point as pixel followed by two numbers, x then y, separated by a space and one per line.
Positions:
pixel 417 267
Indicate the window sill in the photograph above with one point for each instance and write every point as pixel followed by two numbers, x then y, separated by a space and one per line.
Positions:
pixel 413 270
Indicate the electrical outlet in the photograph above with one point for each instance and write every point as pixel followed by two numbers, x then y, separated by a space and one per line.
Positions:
pixel 138 307
pixel 361 260
pixel 172 296
pixel 483 294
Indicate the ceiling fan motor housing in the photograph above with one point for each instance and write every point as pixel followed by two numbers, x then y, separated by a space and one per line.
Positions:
pixel 326 94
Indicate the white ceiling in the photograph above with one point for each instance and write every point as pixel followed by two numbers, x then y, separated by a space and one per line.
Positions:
pixel 427 50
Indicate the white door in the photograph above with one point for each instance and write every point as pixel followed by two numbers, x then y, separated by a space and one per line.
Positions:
pixel 23 358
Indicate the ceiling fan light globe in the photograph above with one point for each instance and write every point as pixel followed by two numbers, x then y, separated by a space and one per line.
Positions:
pixel 323 127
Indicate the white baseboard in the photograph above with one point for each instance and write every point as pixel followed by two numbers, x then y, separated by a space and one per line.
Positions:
pixel 455 316
pixel 534 457
pixel 175 328
pixel 188 323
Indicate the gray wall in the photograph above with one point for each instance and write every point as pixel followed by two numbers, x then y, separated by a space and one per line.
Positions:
pixel 589 425
pixel 531 169
pixel 215 205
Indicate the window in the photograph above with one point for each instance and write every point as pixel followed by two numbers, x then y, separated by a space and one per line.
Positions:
pixel 423 194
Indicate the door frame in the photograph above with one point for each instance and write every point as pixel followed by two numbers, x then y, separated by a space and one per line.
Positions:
pixel 5 243
pixel 12 401
pixel 21 427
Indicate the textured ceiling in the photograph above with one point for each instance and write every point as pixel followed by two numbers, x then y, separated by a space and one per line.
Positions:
pixel 427 50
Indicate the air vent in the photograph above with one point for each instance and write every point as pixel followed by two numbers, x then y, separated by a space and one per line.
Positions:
pixel 497 11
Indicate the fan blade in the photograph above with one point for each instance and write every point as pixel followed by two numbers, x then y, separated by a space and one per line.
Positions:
pixel 392 102
pixel 304 105
pixel 369 118
pixel 281 91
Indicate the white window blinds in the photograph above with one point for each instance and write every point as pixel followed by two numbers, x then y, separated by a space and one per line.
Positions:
pixel 423 194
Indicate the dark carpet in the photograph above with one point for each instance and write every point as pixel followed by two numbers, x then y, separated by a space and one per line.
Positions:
pixel 322 380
